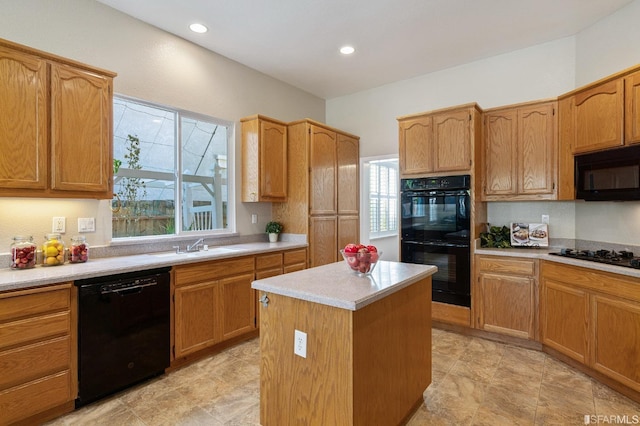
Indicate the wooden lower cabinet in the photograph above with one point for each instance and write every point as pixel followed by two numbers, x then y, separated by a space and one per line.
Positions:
pixel 564 319
pixel 323 240
pixel 593 317
pixel 615 335
pixel 38 353
pixel 294 260
pixel 506 296
pixel 213 301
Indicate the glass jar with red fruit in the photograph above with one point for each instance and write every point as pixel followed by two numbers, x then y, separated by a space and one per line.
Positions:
pixel 23 252
pixel 79 251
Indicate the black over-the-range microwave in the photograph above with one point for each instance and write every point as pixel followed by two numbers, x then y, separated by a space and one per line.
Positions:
pixel 612 175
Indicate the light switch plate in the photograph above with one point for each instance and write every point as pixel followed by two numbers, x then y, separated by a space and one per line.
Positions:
pixel 86 224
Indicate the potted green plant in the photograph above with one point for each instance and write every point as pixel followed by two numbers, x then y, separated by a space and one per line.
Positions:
pixel 273 229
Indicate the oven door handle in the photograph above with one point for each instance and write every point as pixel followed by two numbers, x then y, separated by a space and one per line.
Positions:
pixel 437 244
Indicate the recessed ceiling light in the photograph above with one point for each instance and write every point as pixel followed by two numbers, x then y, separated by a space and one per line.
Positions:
pixel 198 28
pixel 347 50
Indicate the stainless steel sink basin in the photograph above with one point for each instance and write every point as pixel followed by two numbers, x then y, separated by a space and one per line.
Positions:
pixel 211 252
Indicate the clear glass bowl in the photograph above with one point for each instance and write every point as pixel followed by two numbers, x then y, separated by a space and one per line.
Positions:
pixel 361 264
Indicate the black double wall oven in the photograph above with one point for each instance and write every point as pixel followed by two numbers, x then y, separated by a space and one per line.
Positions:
pixel 436 231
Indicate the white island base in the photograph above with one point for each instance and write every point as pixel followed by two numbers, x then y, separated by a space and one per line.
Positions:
pixel 368 345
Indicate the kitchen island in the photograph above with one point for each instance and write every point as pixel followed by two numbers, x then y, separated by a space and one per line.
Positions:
pixel 363 343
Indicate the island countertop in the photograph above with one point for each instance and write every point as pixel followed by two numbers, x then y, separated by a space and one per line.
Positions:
pixel 334 285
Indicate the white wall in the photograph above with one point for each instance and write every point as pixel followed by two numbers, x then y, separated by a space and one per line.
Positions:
pixel 539 72
pixel 152 65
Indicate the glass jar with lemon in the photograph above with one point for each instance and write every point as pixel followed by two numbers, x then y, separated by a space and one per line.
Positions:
pixel 53 250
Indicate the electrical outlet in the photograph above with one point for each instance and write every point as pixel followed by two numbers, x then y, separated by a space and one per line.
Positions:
pixel 300 343
pixel 58 225
pixel 545 218
pixel 86 224
pixel 254 218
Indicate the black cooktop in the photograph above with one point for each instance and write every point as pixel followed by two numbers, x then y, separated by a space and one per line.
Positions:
pixel 610 257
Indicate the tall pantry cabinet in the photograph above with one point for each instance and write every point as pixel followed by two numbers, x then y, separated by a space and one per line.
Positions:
pixel 323 194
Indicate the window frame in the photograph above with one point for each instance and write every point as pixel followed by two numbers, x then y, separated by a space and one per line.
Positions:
pixel 365 218
pixel 177 173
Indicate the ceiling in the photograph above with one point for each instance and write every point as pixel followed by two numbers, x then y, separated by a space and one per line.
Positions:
pixel 297 41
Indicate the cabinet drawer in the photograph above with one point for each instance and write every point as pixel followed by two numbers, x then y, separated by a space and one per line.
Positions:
pixel 295 267
pixel 507 266
pixel 295 256
pixel 14 307
pixel 268 261
pixel 34 361
pixel 33 329
pixel 266 273
pixel 190 274
pixel 34 397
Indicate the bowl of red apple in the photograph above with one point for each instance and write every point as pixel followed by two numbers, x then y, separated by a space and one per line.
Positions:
pixel 361 259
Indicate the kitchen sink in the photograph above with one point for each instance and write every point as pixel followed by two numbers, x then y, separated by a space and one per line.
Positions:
pixel 212 251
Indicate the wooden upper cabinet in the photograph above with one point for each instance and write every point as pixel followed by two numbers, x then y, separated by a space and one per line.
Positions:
pixel 632 108
pixel 264 159
pixel 438 142
pixel 521 152
pixel 23 122
pixel 537 137
pixel 56 126
pixel 452 136
pixel 500 152
pixel 348 179
pixel 81 126
pixel 322 166
pixel 599 117
pixel 415 141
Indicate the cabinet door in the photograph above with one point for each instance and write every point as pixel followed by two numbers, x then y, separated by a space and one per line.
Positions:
pixel 81 128
pixel 500 152
pixel 23 122
pixel 348 176
pixel 537 136
pixel 322 158
pixel 238 305
pixel 196 323
pixel 507 305
pixel 416 143
pixel 616 339
pixel 564 319
pixel 599 117
pixel 348 232
pixel 323 240
pixel 273 161
pixel 632 108
pixel 452 141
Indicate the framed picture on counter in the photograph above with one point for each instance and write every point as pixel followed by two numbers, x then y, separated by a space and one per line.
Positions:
pixel 529 234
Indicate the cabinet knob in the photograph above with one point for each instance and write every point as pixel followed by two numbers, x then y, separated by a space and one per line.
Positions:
pixel 264 300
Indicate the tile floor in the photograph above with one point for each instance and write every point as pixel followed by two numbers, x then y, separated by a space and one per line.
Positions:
pixel 475 382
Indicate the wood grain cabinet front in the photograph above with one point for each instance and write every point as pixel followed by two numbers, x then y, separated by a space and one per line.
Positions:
pixel 520 155
pixel 323 170
pixel 213 302
pixel 57 125
pixel 439 142
pixel 38 353
pixel 264 159
pixel 594 318
pixel 507 296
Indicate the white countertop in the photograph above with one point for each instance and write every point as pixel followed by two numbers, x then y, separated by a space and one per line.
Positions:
pixel 11 279
pixel 335 285
pixel 543 254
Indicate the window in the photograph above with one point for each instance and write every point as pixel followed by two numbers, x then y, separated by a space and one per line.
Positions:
pixel 383 197
pixel 170 171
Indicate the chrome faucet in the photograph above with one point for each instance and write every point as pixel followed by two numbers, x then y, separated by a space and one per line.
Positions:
pixel 195 246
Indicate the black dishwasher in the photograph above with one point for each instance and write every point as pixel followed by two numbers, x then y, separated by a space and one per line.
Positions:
pixel 123 331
